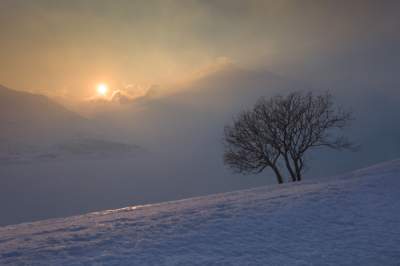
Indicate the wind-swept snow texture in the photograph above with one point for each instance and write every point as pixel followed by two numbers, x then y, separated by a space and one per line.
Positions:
pixel 348 220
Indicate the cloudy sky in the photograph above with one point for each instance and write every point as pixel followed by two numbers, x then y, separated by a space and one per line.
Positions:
pixel 68 46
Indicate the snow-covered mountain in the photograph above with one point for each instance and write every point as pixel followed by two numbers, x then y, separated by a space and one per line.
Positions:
pixel 25 115
pixel 351 219
pixel 35 127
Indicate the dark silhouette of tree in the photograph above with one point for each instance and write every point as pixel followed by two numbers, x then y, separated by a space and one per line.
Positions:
pixel 281 130
pixel 248 149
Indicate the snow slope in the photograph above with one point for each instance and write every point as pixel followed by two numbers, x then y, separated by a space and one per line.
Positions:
pixel 352 219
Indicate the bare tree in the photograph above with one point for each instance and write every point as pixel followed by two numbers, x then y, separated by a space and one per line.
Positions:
pixel 247 149
pixel 282 130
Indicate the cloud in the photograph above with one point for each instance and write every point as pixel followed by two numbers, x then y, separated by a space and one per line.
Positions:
pixel 121 97
pixel 219 64
pixel 129 94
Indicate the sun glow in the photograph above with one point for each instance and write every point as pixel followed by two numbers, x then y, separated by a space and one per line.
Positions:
pixel 102 89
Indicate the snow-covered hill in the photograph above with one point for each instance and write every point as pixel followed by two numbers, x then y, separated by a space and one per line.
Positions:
pixel 347 220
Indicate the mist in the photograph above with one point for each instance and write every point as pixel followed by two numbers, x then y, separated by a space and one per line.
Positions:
pixel 179 73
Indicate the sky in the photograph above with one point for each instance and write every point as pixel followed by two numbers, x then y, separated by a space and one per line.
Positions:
pixel 66 47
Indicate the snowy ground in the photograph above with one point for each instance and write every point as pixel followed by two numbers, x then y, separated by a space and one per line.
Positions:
pixel 348 220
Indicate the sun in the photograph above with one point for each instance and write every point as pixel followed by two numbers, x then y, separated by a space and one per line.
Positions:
pixel 102 89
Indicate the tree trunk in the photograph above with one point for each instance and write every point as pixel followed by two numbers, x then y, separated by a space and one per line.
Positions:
pixel 278 175
pixel 289 167
pixel 298 171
